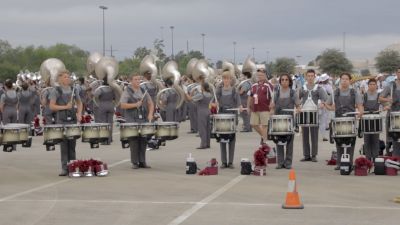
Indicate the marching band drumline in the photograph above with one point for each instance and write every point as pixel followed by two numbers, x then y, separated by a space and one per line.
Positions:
pixel 290 108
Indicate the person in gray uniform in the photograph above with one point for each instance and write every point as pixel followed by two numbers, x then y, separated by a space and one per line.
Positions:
pixel 105 101
pixel 371 106
pixel 65 101
pixel 149 86
pixel 390 96
pixel 192 107
pixel 227 98
pixel 48 115
pixel 8 103
pixel 170 100
pixel 26 100
pixel 284 98
pixel 202 100
pixel 243 91
pixel 346 100
pixel 317 93
pixel 139 109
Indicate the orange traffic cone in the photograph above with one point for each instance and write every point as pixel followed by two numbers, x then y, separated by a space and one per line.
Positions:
pixel 292 197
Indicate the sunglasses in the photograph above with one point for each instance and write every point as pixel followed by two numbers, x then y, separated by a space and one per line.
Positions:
pixel 263 71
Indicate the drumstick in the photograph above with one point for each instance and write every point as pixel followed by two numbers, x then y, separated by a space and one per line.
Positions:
pixel 288 110
pixel 73 93
pixel 236 109
pixel 144 95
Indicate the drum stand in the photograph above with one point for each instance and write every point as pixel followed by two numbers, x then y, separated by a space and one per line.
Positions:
pixel 50 147
pixel 9 148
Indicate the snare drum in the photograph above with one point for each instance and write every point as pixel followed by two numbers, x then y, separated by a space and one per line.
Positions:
pixel 224 123
pixel 344 127
pixel 280 125
pixel 53 134
pixel 371 124
pixel 90 132
pixel 128 130
pixel 72 131
pixel 307 118
pixel 147 129
pixel 394 125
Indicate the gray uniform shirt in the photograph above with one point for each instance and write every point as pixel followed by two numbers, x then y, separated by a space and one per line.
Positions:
pixel 359 98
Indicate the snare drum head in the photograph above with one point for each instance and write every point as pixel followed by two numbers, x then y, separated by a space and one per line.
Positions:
pixel 224 116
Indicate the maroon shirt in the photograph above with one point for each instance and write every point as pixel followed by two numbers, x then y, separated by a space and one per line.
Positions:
pixel 264 94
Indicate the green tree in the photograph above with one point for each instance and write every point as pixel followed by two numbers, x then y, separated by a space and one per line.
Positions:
pixel 365 72
pixel 387 61
pixel 334 62
pixel 284 65
pixel 141 52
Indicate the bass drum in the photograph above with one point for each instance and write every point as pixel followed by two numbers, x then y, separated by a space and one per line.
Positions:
pixel 53 134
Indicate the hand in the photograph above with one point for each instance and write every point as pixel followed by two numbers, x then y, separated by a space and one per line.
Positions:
pixel 298 110
pixel 150 118
pixel 139 103
pixel 78 118
pixel 68 106
pixel 389 99
pixel 240 109
pixel 386 108
pixel 359 114
pixel 322 105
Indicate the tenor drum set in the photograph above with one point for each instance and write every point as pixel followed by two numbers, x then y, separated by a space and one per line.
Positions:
pixel 164 131
pixel 14 133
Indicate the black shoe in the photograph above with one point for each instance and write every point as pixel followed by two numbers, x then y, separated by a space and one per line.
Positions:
pixel 288 167
pixel 224 166
pixel 231 166
pixel 63 173
pixel 324 139
pixel 314 159
pixel 144 165
pixel 305 159
pixel 337 168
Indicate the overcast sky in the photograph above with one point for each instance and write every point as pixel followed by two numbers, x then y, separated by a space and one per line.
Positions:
pixel 281 27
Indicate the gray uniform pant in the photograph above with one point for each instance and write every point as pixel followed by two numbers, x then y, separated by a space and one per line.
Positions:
pixel 246 121
pixel 282 160
pixel 204 127
pixel 25 115
pixel 307 132
pixel 231 143
pixel 106 117
pixel 138 150
pixel 349 150
pixel 67 152
pixel 9 115
pixel 371 145
pixel 193 116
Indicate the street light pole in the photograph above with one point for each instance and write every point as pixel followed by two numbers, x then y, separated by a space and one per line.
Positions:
pixel 202 35
pixel 253 54
pixel 234 52
pixel 267 57
pixel 172 41
pixel 104 29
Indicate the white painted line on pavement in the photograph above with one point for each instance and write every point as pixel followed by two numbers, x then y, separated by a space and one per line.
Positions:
pixel 275 205
pixel 205 201
pixel 7 198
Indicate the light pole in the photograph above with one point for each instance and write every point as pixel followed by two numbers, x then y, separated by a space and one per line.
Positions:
pixel 172 41
pixel 267 57
pixel 234 52
pixel 202 35
pixel 253 55
pixel 104 29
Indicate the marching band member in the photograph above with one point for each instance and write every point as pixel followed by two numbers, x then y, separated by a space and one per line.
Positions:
pixel 202 100
pixel 347 99
pixel 170 100
pixel 8 103
pixel 285 98
pixel 227 97
pixel 149 86
pixel 26 100
pixel 105 100
pixel 65 101
pixel 192 107
pixel 317 93
pixel 371 105
pixel 138 108
pixel 47 113
pixel 391 95
pixel 258 103
pixel 324 113
pixel 243 91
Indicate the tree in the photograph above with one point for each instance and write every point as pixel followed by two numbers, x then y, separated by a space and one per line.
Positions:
pixel 141 52
pixel 334 62
pixel 284 65
pixel 387 61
